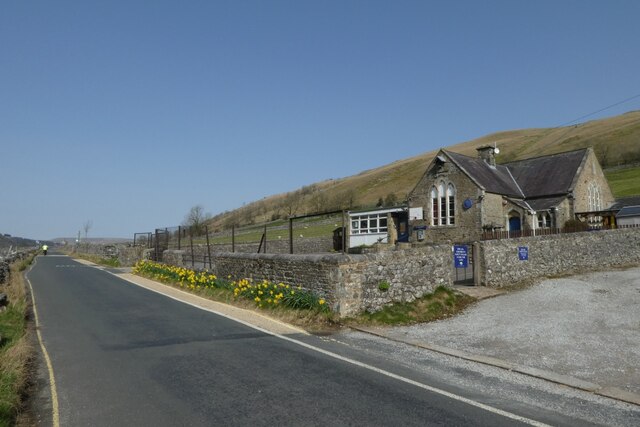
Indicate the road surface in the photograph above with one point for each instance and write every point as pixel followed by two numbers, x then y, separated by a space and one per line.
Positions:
pixel 122 355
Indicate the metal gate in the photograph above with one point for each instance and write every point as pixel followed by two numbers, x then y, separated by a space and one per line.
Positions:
pixel 161 243
pixel 463 264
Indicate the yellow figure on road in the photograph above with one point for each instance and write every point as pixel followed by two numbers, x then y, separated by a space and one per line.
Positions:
pixel 44 249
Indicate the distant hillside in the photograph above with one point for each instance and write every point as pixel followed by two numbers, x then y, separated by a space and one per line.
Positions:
pixel 7 241
pixel 615 140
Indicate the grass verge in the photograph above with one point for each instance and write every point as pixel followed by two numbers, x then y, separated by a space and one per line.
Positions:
pixel 16 352
pixel 299 307
pixel 289 304
pixel 108 262
pixel 440 304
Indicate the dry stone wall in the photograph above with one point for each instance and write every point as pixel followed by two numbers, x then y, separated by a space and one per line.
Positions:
pixel 501 265
pixel 350 283
pixel 6 261
pixel 308 245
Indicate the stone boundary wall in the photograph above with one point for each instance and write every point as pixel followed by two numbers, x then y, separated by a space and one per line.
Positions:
pixel 350 283
pixel 6 261
pixel 558 254
pixel 310 245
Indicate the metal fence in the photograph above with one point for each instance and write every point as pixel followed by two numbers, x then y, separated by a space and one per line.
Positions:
pixel 503 234
pixel 316 233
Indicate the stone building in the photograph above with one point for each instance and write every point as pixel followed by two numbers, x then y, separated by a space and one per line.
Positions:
pixel 461 197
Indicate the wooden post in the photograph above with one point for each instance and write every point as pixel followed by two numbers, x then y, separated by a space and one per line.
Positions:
pixel 179 234
pixel 206 229
pixel 265 238
pixel 344 234
pixel 233 238
pixel 191 243
pixel 290 235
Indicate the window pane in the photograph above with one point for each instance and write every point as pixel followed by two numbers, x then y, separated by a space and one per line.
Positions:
pixel 355 224
pixel 434 214
pixel 452 210
pixel 443 210
pixel 383 222
pixel 373 223
pixel 363 223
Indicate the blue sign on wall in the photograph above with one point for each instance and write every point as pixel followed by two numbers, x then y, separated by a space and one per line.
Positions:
pixel 460 256
pixel 523 253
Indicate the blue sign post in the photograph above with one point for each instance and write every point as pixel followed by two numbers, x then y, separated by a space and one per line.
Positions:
pixel 523 253
pixel 460 256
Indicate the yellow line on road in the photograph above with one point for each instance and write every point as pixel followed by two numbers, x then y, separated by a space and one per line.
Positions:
pixel 52 379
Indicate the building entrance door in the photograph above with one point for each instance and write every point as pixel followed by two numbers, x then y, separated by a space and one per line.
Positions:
pixel 515 224
pixel 402 226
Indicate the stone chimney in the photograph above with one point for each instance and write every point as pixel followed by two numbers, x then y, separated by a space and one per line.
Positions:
pixel 487 153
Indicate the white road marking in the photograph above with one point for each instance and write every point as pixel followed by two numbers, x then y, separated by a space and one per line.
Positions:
pixel 52 380
pixel 359 364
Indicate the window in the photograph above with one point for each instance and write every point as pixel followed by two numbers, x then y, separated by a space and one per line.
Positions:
pixel 443 204
pixel 594 200
pixel 451 197
pixel 544 220
pixel 434 206
pixel 366 224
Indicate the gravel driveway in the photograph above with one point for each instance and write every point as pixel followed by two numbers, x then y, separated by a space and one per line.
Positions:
pixel 587 327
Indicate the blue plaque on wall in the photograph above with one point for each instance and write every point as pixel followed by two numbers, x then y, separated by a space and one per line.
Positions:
pixel 467 203
pixel 460 256
pixel 523 253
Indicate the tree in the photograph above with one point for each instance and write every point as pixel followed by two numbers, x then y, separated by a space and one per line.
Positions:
pixel 86 227
pixel 292 202
pixel 196 218
pixel 391 199
pixel 319 201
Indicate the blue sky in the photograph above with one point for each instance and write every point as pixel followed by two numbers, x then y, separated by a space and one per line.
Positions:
pixel 127 113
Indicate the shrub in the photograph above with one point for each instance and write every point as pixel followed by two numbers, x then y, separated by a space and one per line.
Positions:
pixel 384 286
pixel 263 294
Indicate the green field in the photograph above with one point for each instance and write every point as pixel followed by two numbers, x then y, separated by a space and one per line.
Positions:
pixel 279 230
pixel 624 182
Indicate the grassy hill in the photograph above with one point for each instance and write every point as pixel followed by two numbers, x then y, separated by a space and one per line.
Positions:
pixel 7 242
pixel 615 140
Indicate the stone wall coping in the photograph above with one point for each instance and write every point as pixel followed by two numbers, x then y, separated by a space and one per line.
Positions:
pixel 318 258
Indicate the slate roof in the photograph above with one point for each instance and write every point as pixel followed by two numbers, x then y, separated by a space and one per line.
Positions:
pixel 629 211
pixel 626 201
pixel 544 203
pixel 548 175
pixel 541 181
pixel 496 179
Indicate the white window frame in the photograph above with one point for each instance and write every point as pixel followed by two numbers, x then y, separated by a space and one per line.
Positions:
pixel 594 197
pixel 370 223
pixel 544 220
pixel 443 204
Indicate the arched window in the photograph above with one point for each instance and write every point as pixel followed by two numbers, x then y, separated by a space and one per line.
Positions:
pixel 451 198
pixel 544 220
pixel 443 204
pixel 594 200
pixel 434 206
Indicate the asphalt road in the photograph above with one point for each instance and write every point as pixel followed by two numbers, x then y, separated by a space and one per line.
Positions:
pixel 122 355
